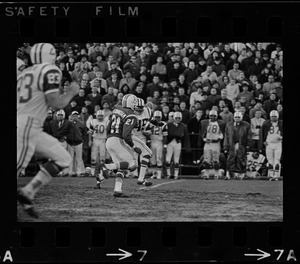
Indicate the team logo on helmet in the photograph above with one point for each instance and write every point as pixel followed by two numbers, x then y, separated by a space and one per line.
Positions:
pixel 129 101
pixel 43 52
pixel 140 106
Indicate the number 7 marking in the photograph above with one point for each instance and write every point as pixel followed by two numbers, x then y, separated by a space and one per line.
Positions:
pixel 145 252
pixel 281 252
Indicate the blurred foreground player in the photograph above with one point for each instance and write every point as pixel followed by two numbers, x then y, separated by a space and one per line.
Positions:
pixel 255 164
pixel 38 88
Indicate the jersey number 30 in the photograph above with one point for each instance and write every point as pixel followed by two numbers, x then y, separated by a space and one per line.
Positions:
pixel 24 87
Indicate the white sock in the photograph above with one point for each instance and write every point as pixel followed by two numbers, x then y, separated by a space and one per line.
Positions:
pixel 101 177
pixel 176 172
pixel 42 178
pixel 168 172
pixel 142 173
pixel 118 184
pixel 158 173
pixel 93 170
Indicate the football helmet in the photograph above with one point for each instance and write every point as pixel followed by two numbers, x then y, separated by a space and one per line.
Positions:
pixel 60 115
pixel 157 114
pixel 130 101
pixel 213 114
pixel 43 52
pixel 20 66
pixel 100 115
pixel 238 115
pixel 140 106
pixel 177 117
pixel 274 113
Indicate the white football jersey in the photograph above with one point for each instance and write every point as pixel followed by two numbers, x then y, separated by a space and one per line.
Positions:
pixel 32 86
pixel 273 134
pixel 99 128
pixel 213 130
pixel 158 130
pixel 143 118
pixel 254 164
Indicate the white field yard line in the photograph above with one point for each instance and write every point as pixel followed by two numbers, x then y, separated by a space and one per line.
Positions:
pixel 160 184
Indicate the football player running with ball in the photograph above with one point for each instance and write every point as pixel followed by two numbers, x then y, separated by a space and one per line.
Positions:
pixel 119 141
pixel 212 133
pixel 178 137
pixel 37 89
pixel 139 139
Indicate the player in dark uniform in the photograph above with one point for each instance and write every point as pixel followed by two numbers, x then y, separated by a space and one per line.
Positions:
pixel 119 142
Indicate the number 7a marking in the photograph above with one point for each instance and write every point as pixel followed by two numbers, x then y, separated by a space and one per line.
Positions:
pixel 145 252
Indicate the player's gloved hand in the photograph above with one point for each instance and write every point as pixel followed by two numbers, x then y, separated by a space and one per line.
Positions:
pixel 165 146
pixel 206 140
pixel 137 150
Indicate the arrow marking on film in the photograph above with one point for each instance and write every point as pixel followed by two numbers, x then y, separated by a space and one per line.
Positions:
pixel 262 256
pixel 125 254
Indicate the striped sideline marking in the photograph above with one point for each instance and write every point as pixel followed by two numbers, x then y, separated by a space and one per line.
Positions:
pixel 157 185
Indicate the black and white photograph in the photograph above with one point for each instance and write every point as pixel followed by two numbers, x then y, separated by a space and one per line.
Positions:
pixel 150 132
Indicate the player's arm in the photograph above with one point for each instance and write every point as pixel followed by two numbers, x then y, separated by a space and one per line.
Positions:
pixel 147 129
pixel 186 140
pixel 165 133
pixel 130 123
pixel 49 81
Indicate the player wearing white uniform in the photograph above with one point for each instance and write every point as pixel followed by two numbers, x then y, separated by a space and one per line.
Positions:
pixel 97 142
pixel 38 88
pixel 271 137
pixel 20 66
pixel 158 131
pixel 139 139
pixel 212 133
pixel 255 161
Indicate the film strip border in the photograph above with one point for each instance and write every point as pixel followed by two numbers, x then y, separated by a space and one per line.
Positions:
pixel 156 21
pixel 150 242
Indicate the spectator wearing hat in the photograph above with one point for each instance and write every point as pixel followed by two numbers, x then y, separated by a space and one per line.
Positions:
pixel 113 69
pixel 265 60
pixel 218 66
pixel 109 98
pixel 245 93
pixel 132 66
pixel 270 104
pixel 75 145
pixel 277 52
pixel 269 85
pixel 154 86
pixel 72 106
pixel 159 69
pixel 247 62
pixel 214 97
pixel 255 69
pixel 205 103
pixel 233 90
pixel 95 97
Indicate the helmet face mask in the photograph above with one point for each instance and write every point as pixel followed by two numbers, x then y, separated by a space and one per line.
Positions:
pixel 157 116
pixel 60 115
pixel 130 101
pixel 274 116
pixel 213 115
pixel 100 115
pixel 177 117
pixel 43 53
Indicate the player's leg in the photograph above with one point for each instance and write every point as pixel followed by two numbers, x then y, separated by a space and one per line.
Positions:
pixel 269 156
pixel 94 153
pixel 206 160
pixel 230 164
pixel 79 161
pixel 145 158
pixel 216 158
pixel 48 147
pixel 177 153
pixel 277 157
pixel 169 154
pixel 153 160
pixel 159 158
pixel 71 151
pixel 242 161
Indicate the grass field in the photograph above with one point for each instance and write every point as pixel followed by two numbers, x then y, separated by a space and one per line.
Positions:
pixel 75 199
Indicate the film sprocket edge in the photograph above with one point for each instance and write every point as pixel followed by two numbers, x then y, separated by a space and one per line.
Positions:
pixel 153 239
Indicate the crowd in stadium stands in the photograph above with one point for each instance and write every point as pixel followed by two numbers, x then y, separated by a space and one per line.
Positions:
pixel 192 78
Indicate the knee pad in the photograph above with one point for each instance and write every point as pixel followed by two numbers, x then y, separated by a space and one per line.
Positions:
pixel 124 165
pixel 168 164
pixel 52 168
pixel 176 165
pixel 159 166
pixel 146 157
pixel 120 174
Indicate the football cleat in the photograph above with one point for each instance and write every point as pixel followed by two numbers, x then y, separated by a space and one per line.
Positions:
pixel 175 177
pixel 26 202
pixel 144 182
pixel 277 167
pixel 120 194
pixel 98 186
